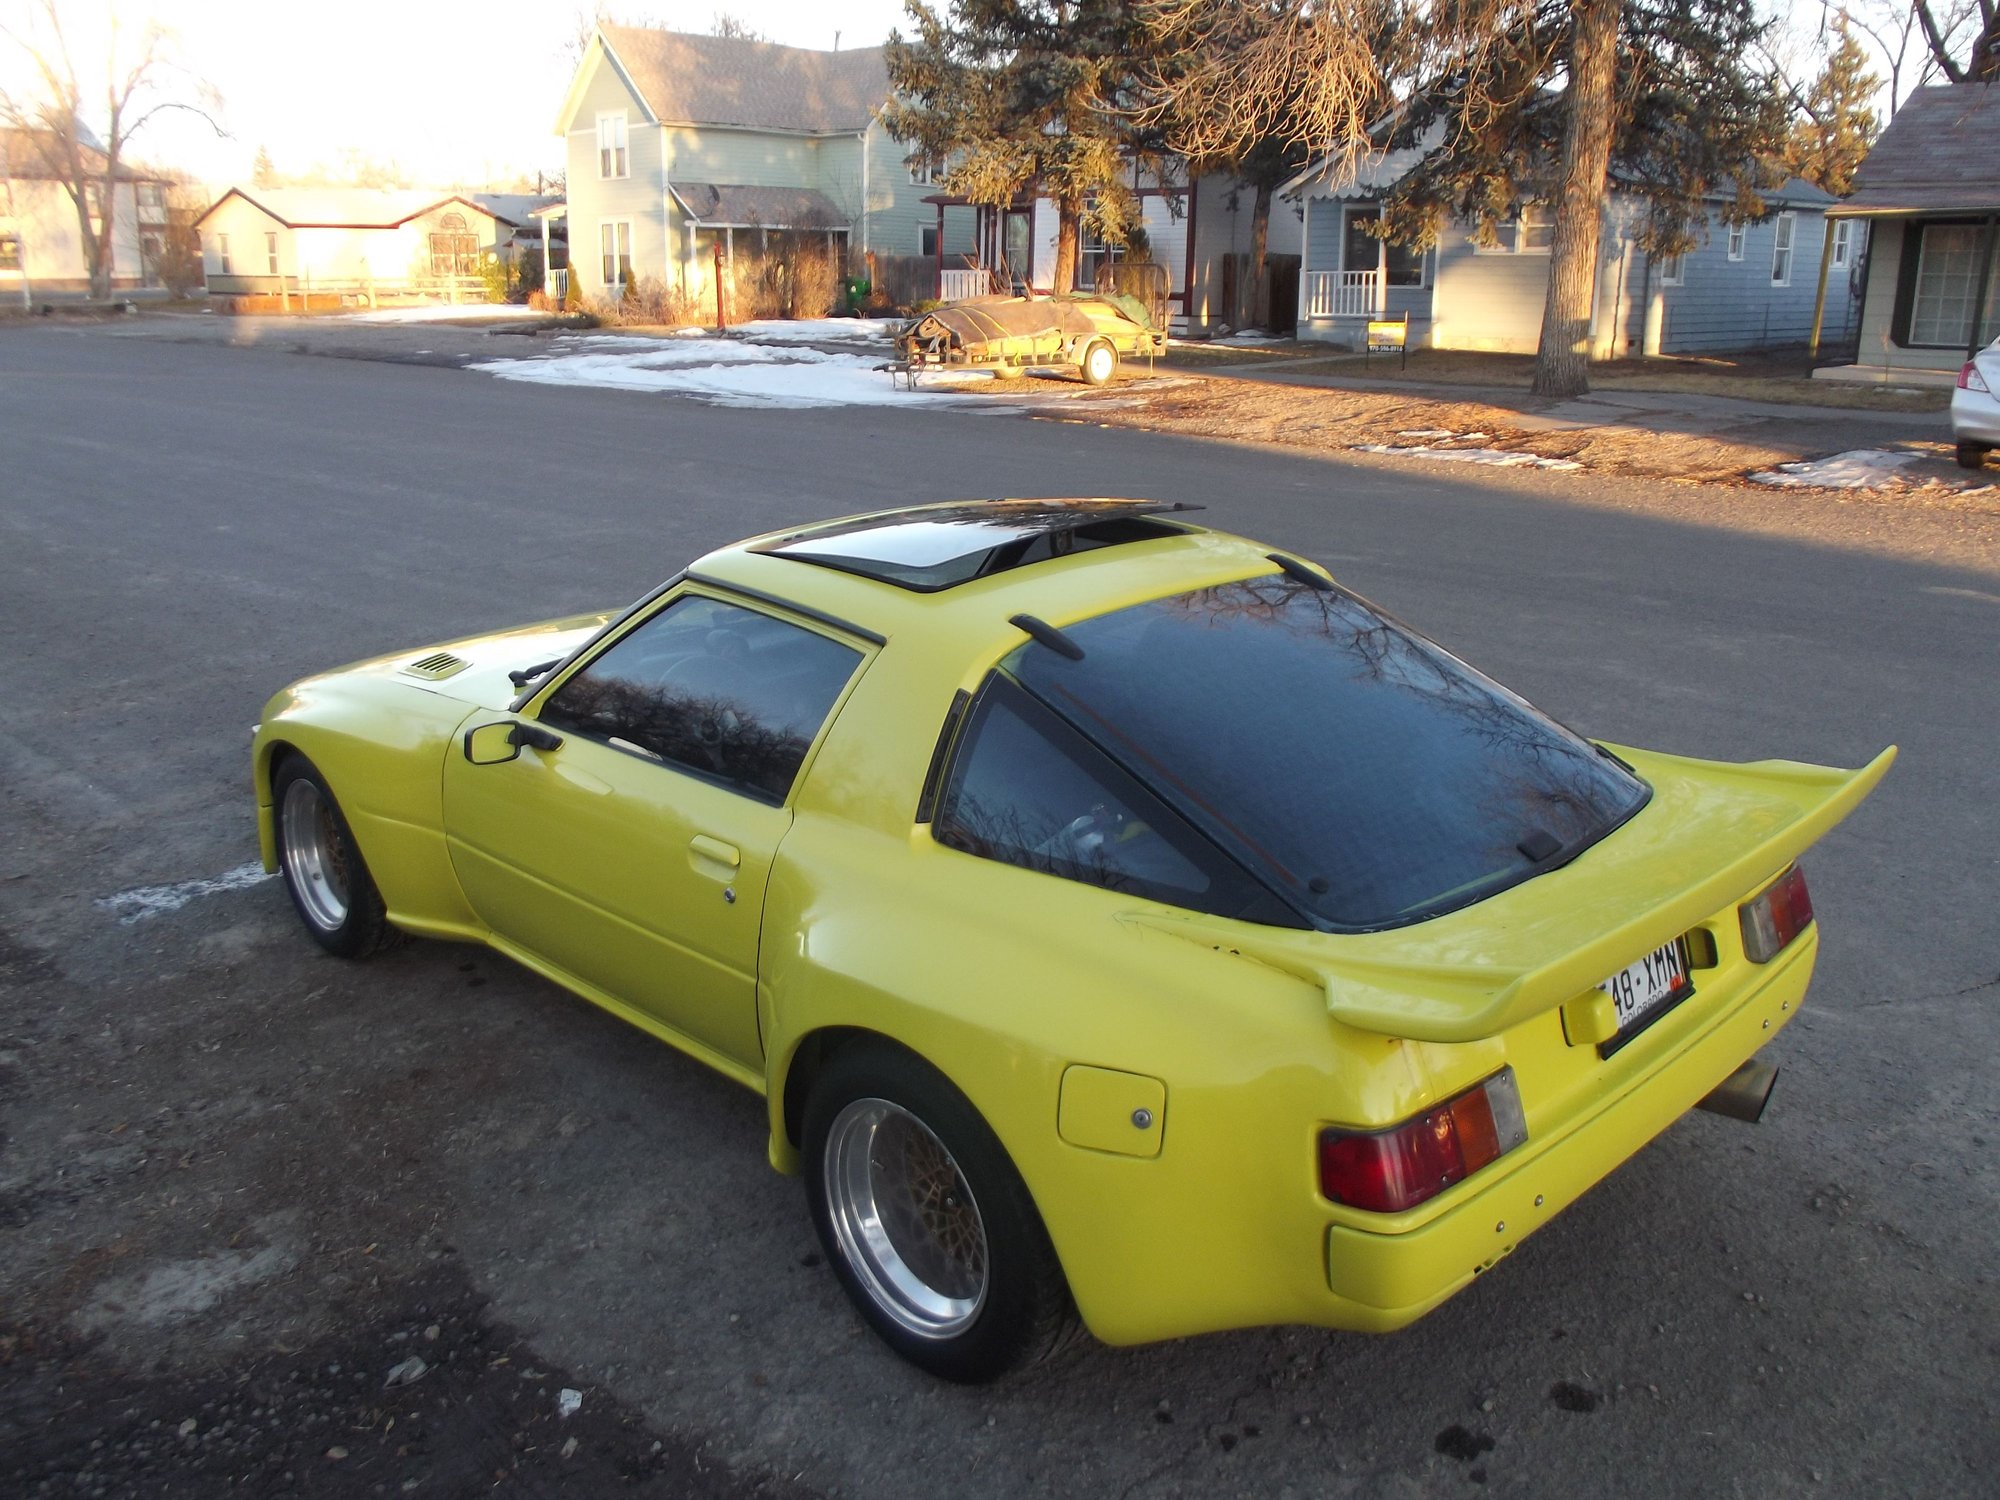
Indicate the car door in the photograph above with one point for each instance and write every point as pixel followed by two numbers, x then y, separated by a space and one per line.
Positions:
pixel 628 842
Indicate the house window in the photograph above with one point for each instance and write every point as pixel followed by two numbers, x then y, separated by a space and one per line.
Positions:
pixel 1531 232
pixel 1537 229
pixel 1947 284
pixel 151 247
pixel 1673 270
pixel 1737 234
pixel 93 199
pixel 222 254
pixel 10 252
pixel 1092 253
pixel 1366 252
pixel 1781 252
pixel 927 241
pixel 1843 243
pixel 454 251
pixel 271 249
pixel 923 172
pixel 611 156
pixel 614 240
pixel 151 195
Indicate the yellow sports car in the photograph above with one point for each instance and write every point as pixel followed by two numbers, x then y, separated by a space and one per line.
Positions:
pixel 1121 919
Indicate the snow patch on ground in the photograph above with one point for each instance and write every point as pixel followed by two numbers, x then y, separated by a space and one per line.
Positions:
pixel 1856 469
pixel 156 900
pixel 1499 458
pixel 810 330
pixel 433 312
pixel 727 372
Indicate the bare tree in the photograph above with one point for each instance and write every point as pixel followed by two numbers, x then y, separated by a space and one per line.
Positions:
pixel 1963 37
pixel 80 136
pixel 728 25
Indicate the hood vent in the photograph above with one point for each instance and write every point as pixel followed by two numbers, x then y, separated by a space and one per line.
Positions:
pixel 437 666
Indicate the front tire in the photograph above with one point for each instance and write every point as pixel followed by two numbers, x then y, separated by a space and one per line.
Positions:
pixel 325 875
pixel 1971 455
pixel 1100 364
pixel 929 1227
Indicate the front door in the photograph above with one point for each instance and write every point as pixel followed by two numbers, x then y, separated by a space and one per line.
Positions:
pixel 632 853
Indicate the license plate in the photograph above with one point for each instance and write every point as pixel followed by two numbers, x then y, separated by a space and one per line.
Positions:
pixel 1650 985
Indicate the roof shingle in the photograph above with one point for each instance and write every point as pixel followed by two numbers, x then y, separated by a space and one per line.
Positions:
pixel 1940 154
pixel 716 80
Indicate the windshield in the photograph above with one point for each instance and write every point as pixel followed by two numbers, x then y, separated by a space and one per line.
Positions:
pixel 1367 774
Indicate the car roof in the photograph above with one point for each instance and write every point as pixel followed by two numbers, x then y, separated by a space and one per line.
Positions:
pixel 1059 560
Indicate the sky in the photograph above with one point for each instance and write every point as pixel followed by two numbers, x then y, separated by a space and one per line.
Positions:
pixel 454 93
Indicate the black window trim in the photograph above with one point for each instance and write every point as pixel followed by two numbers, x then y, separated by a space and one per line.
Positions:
pixel 958 732
pixel 1905 304
pixel 553 682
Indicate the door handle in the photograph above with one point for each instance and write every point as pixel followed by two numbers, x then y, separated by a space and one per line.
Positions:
pixel 704 847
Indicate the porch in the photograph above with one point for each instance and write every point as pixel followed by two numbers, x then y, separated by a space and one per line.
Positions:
pixel 1352 277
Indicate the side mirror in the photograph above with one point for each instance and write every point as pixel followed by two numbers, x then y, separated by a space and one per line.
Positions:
pixel 491 745
pixel 496 744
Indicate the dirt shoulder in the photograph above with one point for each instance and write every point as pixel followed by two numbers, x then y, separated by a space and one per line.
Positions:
pixel 1680 436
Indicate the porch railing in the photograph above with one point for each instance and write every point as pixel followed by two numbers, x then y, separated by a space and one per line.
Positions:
pixel 1343 294
pixel 559 284
pixel 958 282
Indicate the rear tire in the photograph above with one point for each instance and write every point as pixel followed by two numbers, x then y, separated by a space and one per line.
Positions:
pixel 925 1220
pixel 1972 455
pixel 1100 364
pixel 325 875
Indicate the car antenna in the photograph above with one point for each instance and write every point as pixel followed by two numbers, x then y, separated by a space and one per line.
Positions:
pixel 1048 635
pixel 1296 569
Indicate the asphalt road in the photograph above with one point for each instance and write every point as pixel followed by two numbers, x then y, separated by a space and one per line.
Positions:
pixel 224 1151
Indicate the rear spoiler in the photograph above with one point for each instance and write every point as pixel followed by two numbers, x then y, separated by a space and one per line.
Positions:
pixel 1371 987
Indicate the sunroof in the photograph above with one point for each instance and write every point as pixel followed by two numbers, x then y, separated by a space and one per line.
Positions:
pixel 937 547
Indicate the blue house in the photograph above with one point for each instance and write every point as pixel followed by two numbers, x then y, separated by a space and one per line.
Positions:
pixel 1743 286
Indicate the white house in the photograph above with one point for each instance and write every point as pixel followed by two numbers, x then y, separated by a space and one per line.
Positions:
pixel 332 247
pixel 41 243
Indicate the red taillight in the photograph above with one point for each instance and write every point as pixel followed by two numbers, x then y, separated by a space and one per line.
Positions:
pixel 1776 917
pixel 1391 1170
pixel 1969 379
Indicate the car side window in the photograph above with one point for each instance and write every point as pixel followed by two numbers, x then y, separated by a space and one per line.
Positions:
pixel 1028 790
pixel 729 693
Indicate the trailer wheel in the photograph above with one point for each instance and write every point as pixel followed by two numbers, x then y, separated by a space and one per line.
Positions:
pixel 1100 363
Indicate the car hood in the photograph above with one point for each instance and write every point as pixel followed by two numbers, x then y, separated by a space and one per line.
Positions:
pixel 1712 835
pixel 473 669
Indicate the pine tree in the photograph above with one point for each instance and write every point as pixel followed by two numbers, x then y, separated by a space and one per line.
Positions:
pixel 1835 126
pixel 1015 94
pixel 1659 94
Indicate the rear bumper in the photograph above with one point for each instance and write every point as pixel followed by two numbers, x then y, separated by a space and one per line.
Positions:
pixel 1975 418
pixel 1387 1280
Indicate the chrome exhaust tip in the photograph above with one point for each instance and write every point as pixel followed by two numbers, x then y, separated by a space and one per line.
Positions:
pixel 1744 1093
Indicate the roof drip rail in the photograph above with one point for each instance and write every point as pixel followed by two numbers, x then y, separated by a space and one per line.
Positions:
pixel 1047 635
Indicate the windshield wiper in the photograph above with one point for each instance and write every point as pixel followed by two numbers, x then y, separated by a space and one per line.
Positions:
pixel 522 676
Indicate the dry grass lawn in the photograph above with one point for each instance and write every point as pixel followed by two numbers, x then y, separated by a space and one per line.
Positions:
pixel 1783 376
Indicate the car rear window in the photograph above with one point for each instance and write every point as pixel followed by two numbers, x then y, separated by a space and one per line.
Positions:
pixel 1364 772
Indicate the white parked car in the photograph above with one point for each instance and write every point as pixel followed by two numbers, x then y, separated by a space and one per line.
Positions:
pixel 1975 407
